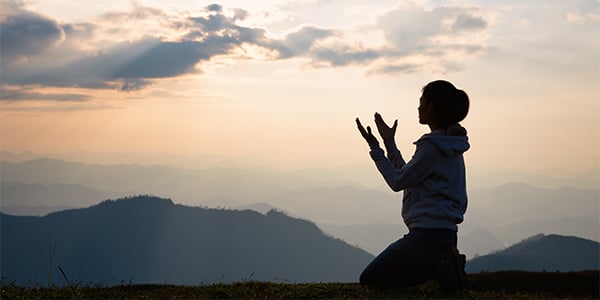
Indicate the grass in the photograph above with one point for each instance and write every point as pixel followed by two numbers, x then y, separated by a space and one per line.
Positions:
pixel 496 285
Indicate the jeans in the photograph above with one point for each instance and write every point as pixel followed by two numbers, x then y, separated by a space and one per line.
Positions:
pixel 409 261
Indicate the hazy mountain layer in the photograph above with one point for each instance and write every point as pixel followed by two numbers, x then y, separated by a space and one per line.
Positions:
pixel 369 218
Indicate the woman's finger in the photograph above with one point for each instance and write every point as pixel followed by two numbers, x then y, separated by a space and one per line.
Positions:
pixel 360 127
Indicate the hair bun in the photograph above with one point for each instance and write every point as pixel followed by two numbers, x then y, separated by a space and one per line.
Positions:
pixel 456 130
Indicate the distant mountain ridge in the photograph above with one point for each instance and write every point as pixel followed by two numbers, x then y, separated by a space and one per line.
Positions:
pixel 147 239
pixel 41 199
pixel 496 216
pixel 541 252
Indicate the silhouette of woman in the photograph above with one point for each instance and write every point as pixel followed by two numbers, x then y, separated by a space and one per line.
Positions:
pixel 435 197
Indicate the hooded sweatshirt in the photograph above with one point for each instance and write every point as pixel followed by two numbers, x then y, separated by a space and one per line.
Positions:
pixel 433 181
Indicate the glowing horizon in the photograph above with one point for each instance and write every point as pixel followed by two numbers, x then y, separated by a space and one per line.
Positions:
pixel 283 81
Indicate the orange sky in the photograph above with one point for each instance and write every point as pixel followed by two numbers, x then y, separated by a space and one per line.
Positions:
pixel 533 80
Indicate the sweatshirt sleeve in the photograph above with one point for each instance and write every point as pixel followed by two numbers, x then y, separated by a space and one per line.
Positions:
pixel 393 154
pixel 404 176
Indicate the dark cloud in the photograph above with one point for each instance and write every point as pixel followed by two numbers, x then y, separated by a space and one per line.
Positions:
pixel 467 22
pixel 211 23
pixel 25 95
pixel 344 57
pixel 133 85
pixel 219 26
pixel 27 34
pixel 394 69
pixel 78 31
pixel 126 66
pixel 163 59
pixel 215 8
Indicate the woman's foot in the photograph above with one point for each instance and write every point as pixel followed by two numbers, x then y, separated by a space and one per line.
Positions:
pixel 451 273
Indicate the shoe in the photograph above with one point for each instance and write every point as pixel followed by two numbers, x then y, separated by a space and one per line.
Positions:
pixel 450 272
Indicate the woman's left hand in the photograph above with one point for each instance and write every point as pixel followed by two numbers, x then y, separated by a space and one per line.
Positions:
pixel 367 135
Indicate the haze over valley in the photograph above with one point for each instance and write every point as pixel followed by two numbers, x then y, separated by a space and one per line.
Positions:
pixel 368 217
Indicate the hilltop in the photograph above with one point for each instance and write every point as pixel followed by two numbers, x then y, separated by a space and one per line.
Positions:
pixel 541 252
pixel 147 239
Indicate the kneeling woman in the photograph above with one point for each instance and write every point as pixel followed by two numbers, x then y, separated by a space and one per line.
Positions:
pixel 435 197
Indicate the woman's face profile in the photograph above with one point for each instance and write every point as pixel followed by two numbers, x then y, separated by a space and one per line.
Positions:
pixel 424 110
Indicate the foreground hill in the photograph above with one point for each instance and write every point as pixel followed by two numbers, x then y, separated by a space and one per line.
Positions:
pixel 542 253
pixel 498 285
pixel 151 240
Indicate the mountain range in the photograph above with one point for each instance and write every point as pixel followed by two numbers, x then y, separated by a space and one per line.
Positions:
pixel 147 239
pixel 366 217
pixel 541 252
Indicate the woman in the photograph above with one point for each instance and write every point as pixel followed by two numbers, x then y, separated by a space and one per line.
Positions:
pixel 435 197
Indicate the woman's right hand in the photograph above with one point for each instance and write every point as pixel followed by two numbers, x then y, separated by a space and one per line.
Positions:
pixel 385 131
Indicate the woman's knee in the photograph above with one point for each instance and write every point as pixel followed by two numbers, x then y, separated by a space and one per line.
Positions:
pixel 373 279
pixel 379 275
pixel 367 275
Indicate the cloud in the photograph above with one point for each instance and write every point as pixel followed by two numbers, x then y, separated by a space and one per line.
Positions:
pixel 218 28
pixel 24 33
pixel 26 95
pixel 299 42
pixel 38 50
pixel 436 39
pixel 395 69
pixel 413 39
pixel 215 8
pixel 159 59
pixel 125 65
pixel 344 56
pixel 138 12
pixel 57 57
pixel 78 31
pixel 134 85
pixel 414 27
pixel 468 22
pixel 122 66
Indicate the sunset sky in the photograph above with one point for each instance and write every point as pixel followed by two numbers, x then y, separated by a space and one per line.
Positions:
pixel 280 83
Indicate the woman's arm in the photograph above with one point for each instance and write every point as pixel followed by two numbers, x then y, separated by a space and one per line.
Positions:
pixel 398 174
pixel 409 174
pixel 393 154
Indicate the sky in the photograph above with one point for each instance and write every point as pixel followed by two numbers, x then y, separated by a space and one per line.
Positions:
pixel 279 83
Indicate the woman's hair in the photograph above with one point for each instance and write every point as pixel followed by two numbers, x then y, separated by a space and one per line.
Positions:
pixel 450 105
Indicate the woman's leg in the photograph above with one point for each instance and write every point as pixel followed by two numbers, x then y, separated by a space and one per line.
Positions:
pixel 410 260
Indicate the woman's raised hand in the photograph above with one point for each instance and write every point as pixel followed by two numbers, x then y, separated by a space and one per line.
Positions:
pixel 367 135
pixel 385 131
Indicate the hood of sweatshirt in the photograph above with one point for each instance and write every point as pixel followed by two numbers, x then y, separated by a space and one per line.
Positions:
pixel 450 143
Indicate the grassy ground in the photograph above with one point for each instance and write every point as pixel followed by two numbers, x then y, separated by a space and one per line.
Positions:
pixel 496 285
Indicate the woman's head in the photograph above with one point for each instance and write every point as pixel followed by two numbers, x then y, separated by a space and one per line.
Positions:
pixel 443 104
